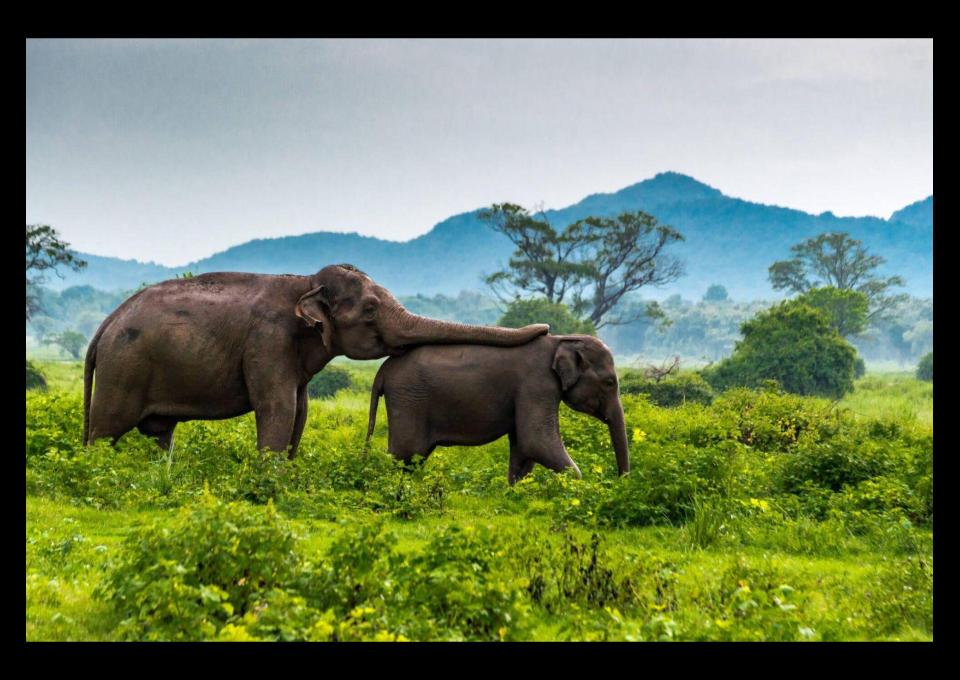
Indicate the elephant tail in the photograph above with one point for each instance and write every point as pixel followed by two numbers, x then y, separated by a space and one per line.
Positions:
pixel 90 363
pixel 375 400
pixel 88 367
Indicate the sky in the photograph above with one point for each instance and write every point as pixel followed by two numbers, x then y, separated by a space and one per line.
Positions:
pixel 172 150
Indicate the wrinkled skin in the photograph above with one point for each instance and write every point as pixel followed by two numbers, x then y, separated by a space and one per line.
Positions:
pixel 219 345
pixel 468 395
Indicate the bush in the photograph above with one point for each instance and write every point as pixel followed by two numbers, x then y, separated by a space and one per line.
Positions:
pixel 55 420
pixel 662 484
pixel 832 465
pixel 328 382
pixel 185 580
pixel 457 589
pixel 671 391
pixel 537 310
pixel 35 379
pixel 793 344
pixel 769 420
pixel 859 368
pixel 925 368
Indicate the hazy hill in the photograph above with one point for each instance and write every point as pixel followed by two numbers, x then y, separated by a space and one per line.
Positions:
pixel 728 241
pixel 919 214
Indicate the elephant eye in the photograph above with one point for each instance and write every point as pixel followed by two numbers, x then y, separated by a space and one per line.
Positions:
pixel 610 382
pixel 369 311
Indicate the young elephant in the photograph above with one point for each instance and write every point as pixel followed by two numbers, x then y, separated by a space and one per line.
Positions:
pixel 472 394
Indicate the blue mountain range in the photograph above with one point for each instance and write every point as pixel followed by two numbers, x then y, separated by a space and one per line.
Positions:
pixel 728 241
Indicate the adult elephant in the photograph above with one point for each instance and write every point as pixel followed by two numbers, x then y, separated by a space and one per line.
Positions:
pixel 220 345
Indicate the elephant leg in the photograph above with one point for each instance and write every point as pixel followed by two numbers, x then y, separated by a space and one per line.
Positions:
pixel 273 391
pixel 407 434
pixel 112 415
pixel 299 421
pixel 520 467
pixel 160 428
pixel 538 440
pixel 275 425
pixel 520 470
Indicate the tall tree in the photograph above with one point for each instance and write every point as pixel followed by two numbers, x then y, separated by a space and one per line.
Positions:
pixel 836 260
pixel 716 293
pixel 846 310
pixel 595 260
pixel 72 342
pixel 545 262
pixel 45 251
pixel 794 344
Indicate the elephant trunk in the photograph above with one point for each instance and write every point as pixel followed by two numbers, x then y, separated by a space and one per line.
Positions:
pixel 412 329
pixel 618 435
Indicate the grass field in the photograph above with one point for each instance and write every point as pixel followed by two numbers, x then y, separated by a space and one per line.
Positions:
pixel 759 517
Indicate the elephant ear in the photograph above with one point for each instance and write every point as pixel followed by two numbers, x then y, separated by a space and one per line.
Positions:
pixel 567 361
pixel 314 308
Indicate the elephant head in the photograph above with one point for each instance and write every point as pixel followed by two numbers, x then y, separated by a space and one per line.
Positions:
pixel 363 320
pixel 589 384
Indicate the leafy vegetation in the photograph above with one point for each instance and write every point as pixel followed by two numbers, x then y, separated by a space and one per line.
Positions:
pixel 593 262
pixel 835 260
pixel 671 391
pixel 925 368
pixel 72 342
pixel 328 382
pixel 538 310
pixel 35 379
pixel 758 516
pixel 45 252
pixel 794 345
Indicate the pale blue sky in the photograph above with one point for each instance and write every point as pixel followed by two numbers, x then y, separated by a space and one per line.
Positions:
pixel 171 150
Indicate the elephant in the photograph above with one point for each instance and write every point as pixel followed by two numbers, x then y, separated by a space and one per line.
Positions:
pixel 219 345
pixel 470 395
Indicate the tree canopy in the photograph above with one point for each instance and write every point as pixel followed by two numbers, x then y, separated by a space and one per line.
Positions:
pixel 846 310
pixel 539 310
pixel 591 263
pixel 793 344
pixel 45 251
pixel 834 259
pixel 72 342
pixel 716 293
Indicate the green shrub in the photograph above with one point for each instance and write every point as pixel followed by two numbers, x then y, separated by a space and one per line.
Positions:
pixel 97 476
pixel 35 379
pixel 925 368
pixel 832 465
pixel 538 310
pixel 457 589
pixel 55 420
pixel 671 391
pixel 328 382
pixel 859 368
pixel 663 482
pixel 793 344
pixel 768 420
pixel 454 589
pixel 184 580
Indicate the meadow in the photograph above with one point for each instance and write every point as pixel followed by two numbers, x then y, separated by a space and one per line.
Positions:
pixel 760 516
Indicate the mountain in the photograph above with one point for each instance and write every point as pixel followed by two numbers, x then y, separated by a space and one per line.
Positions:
pixel 728 240
pixel 919 214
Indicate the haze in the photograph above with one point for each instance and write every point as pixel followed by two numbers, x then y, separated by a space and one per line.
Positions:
pixel 171 150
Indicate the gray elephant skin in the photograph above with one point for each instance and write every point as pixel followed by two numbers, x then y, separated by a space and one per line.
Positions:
pixel 469 395
pixel 219 345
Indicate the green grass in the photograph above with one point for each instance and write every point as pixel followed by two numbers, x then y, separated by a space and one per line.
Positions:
pixel 740 557
pixel 891 395
pixel 62 375
pixel 60 605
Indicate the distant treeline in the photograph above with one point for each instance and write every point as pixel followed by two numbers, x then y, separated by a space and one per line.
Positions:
pixel 703 331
